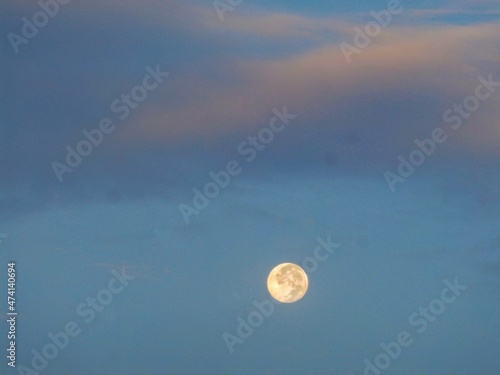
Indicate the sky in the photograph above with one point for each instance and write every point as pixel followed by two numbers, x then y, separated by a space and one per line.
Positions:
pixel 162 157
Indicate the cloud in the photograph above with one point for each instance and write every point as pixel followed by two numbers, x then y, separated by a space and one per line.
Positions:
pixel 226 78
pixel 443 61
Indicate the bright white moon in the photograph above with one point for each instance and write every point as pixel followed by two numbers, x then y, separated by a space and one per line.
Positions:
pixel 287 283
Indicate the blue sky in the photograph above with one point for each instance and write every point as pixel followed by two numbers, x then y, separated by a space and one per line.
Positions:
pixel 352 120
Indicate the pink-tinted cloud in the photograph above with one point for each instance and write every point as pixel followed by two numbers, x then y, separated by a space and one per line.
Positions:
pixel 319 83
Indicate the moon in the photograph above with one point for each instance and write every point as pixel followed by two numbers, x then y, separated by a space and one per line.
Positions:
pixel 287 283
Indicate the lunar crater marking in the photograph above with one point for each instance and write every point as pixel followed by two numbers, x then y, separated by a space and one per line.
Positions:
pixel 287 283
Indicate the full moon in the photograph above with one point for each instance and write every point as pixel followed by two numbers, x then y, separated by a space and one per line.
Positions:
pixel 287 283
